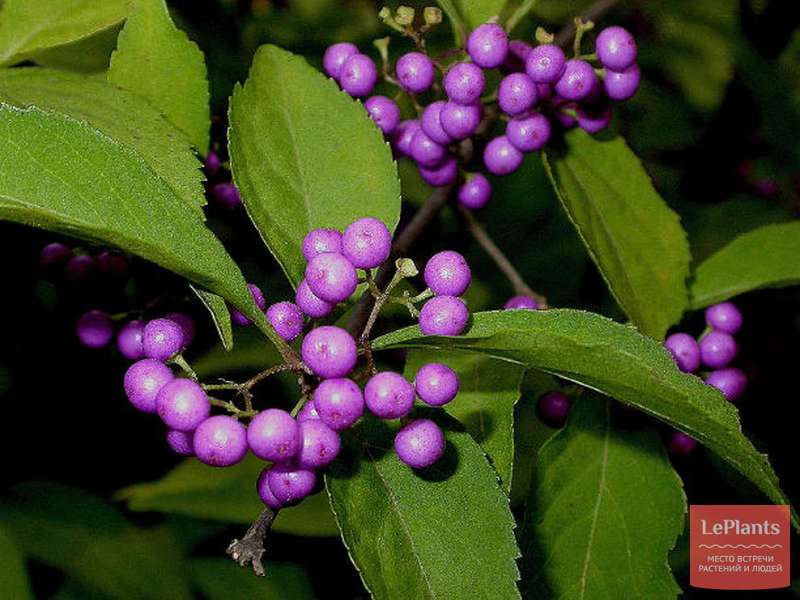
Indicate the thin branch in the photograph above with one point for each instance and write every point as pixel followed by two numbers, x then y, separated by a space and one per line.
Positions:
pixel 248 551
pixel 594 12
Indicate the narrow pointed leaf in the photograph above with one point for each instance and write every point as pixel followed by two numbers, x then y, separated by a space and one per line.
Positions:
pixel 220 315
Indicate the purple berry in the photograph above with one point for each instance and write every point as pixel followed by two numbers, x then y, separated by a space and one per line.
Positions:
pixel 331 277
pixel 522 302
pixel 358 75
pixel 367 243
pixel 415 72
pixel 685 351
pixel 405 132
pixel 258 297
pixel 339 403
pixel 432 124
pixel 724 317
pixel 186 323
pixel 287 319
pixel 436 384
pixel 475 192
pixel 79 267
pixel 226 195
pixel 314 307
pixel 321 241
pixel 578 80
pixel 500 157
pixel 290 484
pixel 94 329
pixel 162 338
pixel 594 119
pixel 309 411
pixel 129 340
pixel 181 442
pixel 545 63
pixel 443 174
pixel 274 435
pixel 320 445
pixel 460 121
pixel 680 444
pixel 330 352
pixel 518 52
pixel 385 112
pixel 425 151
pixel 143 381
pixel 622 85
pixel 731 382
pixel 54 254
pixel 335 56
pixel 487 45
pixel 718 349
pixel 528 133
pixel 516 94
pixel 443 315
pixel 420 443
pixel 464 83
pixel 266 495
pixel 220 441
pixel 182 404
pixel 389 395
pixel 616 48
pixel 447 274
pixel 212 163
pixel 111 263
pixel 553 409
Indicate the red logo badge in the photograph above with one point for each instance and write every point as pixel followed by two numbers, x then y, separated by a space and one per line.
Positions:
pixel 739 547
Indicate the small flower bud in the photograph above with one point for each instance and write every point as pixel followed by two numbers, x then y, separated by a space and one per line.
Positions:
pixel 404 16
pixel 432 15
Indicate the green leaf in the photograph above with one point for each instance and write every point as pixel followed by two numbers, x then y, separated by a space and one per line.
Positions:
pixel 157 60
pixel 635 239
pixel 617 361
pixel 31 26
pixel 89 55
pixel 442 533
pixel 305 155
pixel 488 391
pixel 122 116
pixel 220 315
pixel 13 578
pixel 605 509
pixel 764 258
pixel 221 579
pixel 456 21
pixel 478 12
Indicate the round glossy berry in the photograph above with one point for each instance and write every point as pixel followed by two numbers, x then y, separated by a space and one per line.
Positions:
pixel 182 404
pixel 616 48
pixel 186 323
pixel 290 484
pixel 443 315
pixel 622 85
pixel 731 382
pixel 54 254
pixel 425 151
pixel 309 411
pixel 181 442
pixel 94 329
pixel 432 124
pixel 447 274
pixel 266 495
pixel 594 119
pixel 320 445
pixel 385 112
pixel 528 133
pixel 212 163
pixel 79 267
pixel 258 297
pixel 545 63
pixel 339 403
pixel 144 380
pixel 685 351
pixel 287 319
pixel 522 302
pixel 331 277
pixel 475 192
pixel 220 441
pixel 724 317
pixel 329 352
pixel 718 349
pixel 415 72
pixel 321 241
pixel 274 435
pixel 464 83
pixel 367 243
pixel 577 81
pixel 405 132
pixel 436 384
pixel 335 56
pixel 389 395
pixel 358 75
pixel 443 174
pixel 129 340
pixel 680 444
pixel 162 338
pixel 226 195
pixel 553 409
pixel 420 443
pixel 314 307
pixel 460 121
pixel 487 45
pixel 111 263
pixel 500 157
pixel 516 94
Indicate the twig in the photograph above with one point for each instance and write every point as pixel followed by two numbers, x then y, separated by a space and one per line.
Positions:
pixel 594 12
pixel 519 14
pixel 248 551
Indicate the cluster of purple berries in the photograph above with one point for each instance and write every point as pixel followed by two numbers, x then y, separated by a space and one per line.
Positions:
pixel 540 87
pixel 80 266
pixel 136 339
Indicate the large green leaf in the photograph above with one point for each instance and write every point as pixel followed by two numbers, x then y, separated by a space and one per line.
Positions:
pixel 31 26
pixel 633 236
pixel 13 578
pixel 443 533
pixel 478 12
pixel 764 258
pixel 158 61
pixel 305 155
pixel 122 116
pixel 488 391
pixel 221 579
pixel 89 55
pixel 616 360
pixel 605 510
